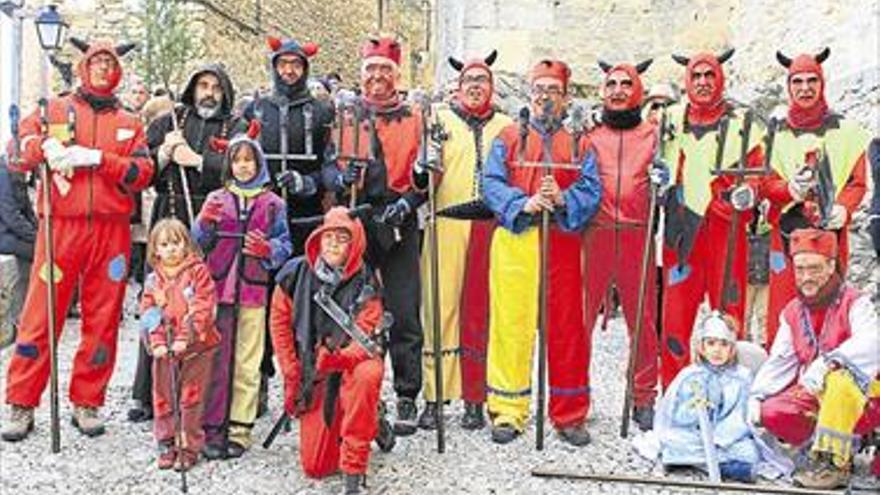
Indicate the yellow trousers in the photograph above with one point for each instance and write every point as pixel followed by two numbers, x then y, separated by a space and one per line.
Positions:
pixel 841 405
pixel 249 343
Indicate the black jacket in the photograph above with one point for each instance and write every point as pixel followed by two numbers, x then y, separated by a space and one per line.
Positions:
pixel 874 163
pixel 197 132
pixel 18 224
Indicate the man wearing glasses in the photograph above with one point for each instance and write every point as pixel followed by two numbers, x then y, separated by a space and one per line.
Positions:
pixel 518 190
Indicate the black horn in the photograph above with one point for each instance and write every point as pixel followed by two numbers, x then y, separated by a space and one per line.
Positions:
pixel 783 60
pixel 605 66
pixel 724 57
pixel 681 60
pixel 455 63
pixel 823 55
pixel 643 66
pixel 79 44
pixel 491 58
pixel 123 49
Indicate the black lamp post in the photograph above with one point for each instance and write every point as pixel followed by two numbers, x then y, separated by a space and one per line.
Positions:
pixel 50 28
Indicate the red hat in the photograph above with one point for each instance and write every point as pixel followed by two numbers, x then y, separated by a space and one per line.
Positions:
pixel 812 117
pixel 89 50
pixel 816 241
pixel 556 69
pixel 634 72
pixel 385 47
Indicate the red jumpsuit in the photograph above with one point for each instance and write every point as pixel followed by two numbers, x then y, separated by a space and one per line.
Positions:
pixel 300 330
pixel 614 241
pixel 91 240
pixel 189 308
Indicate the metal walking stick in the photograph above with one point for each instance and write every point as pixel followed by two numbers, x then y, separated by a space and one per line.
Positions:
pixel 647 253
pixel 46 184
pixel 434 132
pixel 179 440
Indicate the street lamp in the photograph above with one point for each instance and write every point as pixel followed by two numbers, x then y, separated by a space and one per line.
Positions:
pixel 50 28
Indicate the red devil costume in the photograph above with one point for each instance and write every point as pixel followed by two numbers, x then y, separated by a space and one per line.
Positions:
pixel 464 240
pixel 816 137
pixel 615 239
pixel 331 382
pixel 698 208
pixel 391 139
pixel 90 213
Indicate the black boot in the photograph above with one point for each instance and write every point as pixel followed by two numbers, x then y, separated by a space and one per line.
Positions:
pixel 575 435
pixel 504 433
pixel 407 417
pixel 644 417
pixel 213 452
pixel 473 418
pixel 428 418
pixel 142 411
pixel 385 437
pixel 354 484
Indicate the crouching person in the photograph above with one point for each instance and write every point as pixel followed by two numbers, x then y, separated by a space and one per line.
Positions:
pixel 716 382
pixel 332 376
pixel 818 390
pixel 177 309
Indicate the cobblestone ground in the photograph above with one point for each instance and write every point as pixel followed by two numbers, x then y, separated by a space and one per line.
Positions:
pixel 123 460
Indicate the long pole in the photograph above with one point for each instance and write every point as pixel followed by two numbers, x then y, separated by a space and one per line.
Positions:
pixel 435 293
pixel 643 282
pixel 703 485
pixel 184 182
pixel 542 313
pixel 55 429
pixel 173 370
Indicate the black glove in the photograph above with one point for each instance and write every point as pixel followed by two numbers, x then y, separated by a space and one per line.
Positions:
pixel 396 213
pixel 351 175
pixel 290 180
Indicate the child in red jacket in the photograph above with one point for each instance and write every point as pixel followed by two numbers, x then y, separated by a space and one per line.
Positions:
pixel 177 309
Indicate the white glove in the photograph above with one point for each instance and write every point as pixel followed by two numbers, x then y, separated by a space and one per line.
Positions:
pixel 80 156
pixel 753 412
pixel 813 379
pixel 837 218
pixel 802 183
pixel 56 155
pixel 742 197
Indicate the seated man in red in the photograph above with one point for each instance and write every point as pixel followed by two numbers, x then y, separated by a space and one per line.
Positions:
pixel 332 375
pixel 819 388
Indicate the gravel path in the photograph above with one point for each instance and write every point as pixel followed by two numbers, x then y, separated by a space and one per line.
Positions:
pixel 123 460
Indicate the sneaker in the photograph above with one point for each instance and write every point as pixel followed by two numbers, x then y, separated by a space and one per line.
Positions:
pixel 186 460
pixel 141 412
pixel 575 435
pixel 822 474
pixel 428 418
pixel 235 450
pixel 213 452
pixel 354 484
pixel 385 438
pixel 87 421
pixel 167 456
pixel 504 433
pixel 473 418
pixel 407 413
pixel 19 423
pixel 644 417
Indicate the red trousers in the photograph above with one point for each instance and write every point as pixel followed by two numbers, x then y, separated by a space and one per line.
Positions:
pixel 192 375
pixel 344 445
pixel 614 256
pixel 782 286
pixel 94 253
pixel 685 285
pixel 474 317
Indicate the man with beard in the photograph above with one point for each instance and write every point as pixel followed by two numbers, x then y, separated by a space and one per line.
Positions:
pixel 94 172
pixel 700 208
pixel 819 389
pixel 294 133
pixel 386 182
pixel 614 241
pixel 519 193
pixel 472 123
pixel 811 138
pixel 179 142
